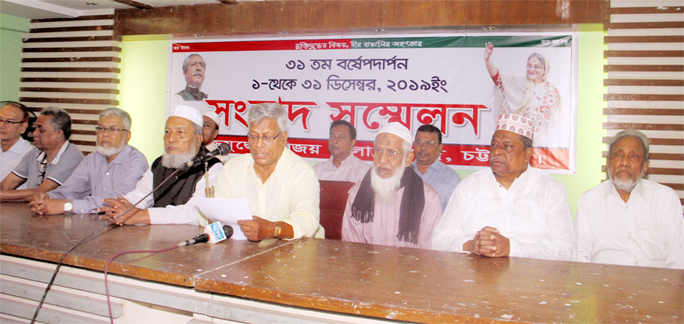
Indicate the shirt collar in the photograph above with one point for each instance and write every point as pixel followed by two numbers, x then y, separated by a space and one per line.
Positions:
pixel 284 156
pixel 347 159
pixel 122 156
pixel 522 178
pixel 19 146
pixel 54 161
pixel 437 165
pixel 637 191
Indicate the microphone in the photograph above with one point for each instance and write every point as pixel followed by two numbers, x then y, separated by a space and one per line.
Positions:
pixel 213 233
pixel 222 149
pixel 200 238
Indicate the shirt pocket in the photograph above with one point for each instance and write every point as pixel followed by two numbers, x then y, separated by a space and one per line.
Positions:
pixel 652 241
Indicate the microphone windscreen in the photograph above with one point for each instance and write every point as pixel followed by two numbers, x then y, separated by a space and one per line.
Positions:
pixel 224 148
pixel 202 238
pixel 228 230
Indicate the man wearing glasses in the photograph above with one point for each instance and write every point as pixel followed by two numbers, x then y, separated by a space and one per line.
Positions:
pixel 172 202
pixel 49 164
pixel 392 205
pixel 112 170
pixel 13 122
pixel 281 188
pixel 428 148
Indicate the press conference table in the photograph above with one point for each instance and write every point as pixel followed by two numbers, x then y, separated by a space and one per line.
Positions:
pixel 375 281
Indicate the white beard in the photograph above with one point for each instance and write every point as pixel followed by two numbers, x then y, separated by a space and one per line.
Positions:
pixel 625 185
pixel 175 161
pixel 107 152
pixel 386 189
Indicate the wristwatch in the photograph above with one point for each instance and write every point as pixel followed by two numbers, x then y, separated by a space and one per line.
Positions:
pixel 68 206
pixel 278 230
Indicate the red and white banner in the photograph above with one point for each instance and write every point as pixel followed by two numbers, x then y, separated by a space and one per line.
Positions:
pixel 372 81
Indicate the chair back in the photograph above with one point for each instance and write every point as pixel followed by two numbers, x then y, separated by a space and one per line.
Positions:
pixel 333 202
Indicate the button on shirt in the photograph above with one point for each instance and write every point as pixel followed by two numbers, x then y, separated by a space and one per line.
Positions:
pixel 352 169
pixel 441 177
pixel 533 214
pixel 10 159
pixel 647 230
pixel 291 193
pixel 58 170
pixel 95 179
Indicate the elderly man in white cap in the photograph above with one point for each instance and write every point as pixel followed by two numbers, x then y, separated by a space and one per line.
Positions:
pixel 173 202
pixel 510 209
pixel 210 131
pixel 392 205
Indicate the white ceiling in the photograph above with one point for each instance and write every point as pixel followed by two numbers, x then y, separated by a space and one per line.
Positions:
pixel 40 9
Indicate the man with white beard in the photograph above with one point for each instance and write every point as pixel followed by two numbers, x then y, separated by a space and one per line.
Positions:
pixel 392 205
pixel 172 203
pixel 110 171
pixel 629 220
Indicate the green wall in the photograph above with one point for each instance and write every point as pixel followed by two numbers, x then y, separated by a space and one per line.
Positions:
pixel 11 33
pixel 590 116
pixel 143 93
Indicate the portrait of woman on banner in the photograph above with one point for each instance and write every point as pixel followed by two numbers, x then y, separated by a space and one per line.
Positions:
pixel 531 96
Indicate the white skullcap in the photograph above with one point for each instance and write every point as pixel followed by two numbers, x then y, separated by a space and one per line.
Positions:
pixel 188 113
pixel 214 116
pixel 397 129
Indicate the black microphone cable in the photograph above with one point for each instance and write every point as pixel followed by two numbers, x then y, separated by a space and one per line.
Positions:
pixel 61 260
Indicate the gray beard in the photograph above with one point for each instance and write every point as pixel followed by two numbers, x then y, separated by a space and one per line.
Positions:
pixel 107 152
pixel 386 189
pixel 175 161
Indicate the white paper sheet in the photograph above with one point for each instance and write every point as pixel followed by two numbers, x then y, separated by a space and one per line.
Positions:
pixel 227 211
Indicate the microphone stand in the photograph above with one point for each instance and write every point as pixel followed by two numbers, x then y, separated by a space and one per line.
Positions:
pixel 59 264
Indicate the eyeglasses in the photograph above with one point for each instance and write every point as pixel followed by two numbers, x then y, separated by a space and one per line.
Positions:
pixel 429 144
pixel 266 138
pixel 11 122
pixel 392 154
pixel 112 130
pixel 43 167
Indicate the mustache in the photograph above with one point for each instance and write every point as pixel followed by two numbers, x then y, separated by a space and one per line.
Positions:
pixel 197 73
pixel 495 158
pixel 625 169
pixel 384 166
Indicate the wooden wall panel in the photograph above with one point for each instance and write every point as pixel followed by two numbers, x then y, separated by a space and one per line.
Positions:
pixel 72 64
pixel 645 84
pixel 256 17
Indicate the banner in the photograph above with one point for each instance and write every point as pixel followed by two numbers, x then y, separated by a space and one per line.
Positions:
pixel 372 81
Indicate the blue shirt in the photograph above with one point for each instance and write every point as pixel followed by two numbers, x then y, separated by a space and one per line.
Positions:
pixel 443 178
pixel 95 179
